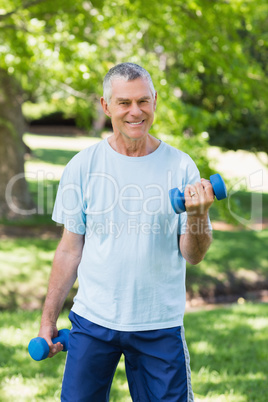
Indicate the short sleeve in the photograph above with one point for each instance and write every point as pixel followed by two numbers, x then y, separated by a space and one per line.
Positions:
pixel 69 204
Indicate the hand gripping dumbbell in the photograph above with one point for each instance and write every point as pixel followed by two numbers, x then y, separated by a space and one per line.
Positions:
pixel 39 349
pixel 178 200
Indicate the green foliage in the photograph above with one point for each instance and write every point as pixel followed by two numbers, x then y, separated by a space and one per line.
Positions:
pixel 207 59
pixel 34 111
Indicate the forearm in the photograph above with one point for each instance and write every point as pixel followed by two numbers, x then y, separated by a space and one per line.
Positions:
pixel 197 239
pixel 62 278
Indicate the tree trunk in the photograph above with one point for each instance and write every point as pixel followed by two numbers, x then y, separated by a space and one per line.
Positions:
pixel 15 199
pixel 99 122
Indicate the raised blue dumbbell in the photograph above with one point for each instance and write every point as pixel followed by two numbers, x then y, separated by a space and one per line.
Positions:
pixel 39 349
pixel 178 200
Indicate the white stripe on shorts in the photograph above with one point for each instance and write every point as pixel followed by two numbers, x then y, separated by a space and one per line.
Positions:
pixel 190 395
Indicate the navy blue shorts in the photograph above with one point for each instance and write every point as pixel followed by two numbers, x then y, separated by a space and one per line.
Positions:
pixel 157 363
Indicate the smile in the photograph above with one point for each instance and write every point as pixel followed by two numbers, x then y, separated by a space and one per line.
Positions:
pixel 135 123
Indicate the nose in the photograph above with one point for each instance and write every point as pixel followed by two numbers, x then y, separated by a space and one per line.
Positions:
pixel 135 109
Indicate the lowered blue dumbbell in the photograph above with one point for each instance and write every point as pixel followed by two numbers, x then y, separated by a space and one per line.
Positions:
pixel 178 200
pixel 39 349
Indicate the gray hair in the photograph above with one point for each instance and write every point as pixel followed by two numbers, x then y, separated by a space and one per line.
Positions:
pixel 127 72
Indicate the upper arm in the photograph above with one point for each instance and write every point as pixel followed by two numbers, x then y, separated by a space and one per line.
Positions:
pixel 181 238
pixel 71 243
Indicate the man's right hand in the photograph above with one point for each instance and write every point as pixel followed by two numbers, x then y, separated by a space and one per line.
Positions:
pixel 48 332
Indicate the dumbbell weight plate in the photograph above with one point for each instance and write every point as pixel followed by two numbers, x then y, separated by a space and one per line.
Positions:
pixel 219 186
pixel 38 348
pixel 177 200
pixel 63 337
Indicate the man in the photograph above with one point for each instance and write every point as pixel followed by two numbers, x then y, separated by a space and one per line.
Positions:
pixel 129 250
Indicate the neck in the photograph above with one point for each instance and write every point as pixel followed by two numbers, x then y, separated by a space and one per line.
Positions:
pixel 132 147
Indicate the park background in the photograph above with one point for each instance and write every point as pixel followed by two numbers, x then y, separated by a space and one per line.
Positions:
pixel 208 61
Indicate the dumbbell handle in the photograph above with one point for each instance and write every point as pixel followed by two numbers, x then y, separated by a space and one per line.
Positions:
pixel 177 197
pixel 38 347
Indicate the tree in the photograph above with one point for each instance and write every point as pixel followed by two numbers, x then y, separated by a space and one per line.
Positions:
pixel 12 126
pixel 34 49
pixel 201 54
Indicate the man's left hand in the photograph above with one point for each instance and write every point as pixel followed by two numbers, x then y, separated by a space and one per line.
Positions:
pixel 198 198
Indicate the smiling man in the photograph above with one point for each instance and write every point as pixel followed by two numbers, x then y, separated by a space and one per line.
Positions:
pixel 131 108
pixel 129 251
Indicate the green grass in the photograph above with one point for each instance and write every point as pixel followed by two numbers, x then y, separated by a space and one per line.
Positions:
pixel 236 262
pixel 229 354
pixel 24 271
pixel 53 156
pixel 228 349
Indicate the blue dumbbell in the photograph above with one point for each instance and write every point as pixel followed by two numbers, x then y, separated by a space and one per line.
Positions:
pixel 39 349
pixel 177 198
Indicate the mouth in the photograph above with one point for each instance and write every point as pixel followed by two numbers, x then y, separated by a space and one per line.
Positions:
pixel 135 123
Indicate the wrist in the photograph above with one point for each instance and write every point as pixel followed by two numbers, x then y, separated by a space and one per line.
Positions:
pixel 49 319
pixel 48 324
pixel 198 224
pixel 194 217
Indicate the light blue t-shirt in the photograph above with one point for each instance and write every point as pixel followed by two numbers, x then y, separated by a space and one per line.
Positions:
pixel 132 274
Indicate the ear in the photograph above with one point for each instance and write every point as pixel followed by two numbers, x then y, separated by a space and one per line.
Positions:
pixel 105 107
pixel 155 99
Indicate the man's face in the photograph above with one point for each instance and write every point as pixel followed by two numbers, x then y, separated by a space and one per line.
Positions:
pixel 131 108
